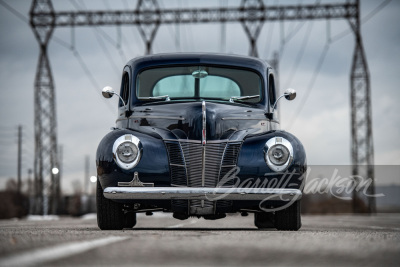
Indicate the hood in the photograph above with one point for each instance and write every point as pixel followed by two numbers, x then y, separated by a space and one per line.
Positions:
pixel 185 120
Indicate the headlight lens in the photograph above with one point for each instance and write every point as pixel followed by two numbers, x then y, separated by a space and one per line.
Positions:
pixel 278 153
pixel 127 151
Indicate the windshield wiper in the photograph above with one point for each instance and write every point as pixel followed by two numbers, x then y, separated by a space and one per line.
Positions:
pixel 235 98
pixel 162 97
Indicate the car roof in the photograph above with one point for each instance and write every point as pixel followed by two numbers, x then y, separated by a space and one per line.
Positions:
pixel 199 58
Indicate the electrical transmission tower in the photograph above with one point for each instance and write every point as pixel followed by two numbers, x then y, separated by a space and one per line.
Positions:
pixel 362 147
pixel 45 111
pixel 251 14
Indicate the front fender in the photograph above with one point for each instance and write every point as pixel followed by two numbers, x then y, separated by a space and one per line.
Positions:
pixel 152 168
pixel 253 167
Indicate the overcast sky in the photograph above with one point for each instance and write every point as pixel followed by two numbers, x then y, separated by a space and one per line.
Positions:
pixel 84 117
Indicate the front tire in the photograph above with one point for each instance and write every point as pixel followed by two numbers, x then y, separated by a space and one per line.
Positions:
pixel 129 219
pixel 264 220
pixel 289 219
pixel 110 215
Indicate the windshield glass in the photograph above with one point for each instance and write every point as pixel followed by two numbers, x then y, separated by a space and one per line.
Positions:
pixel 199 82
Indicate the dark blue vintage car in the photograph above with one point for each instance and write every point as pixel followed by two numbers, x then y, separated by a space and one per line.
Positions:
pixel 198 135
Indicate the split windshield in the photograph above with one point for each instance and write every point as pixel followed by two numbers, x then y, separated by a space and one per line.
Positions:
pixel 199 82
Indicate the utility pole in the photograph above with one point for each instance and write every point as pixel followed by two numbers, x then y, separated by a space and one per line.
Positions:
pixel 87 177
pixel 19 165
pixel 57 183
pixel 31 192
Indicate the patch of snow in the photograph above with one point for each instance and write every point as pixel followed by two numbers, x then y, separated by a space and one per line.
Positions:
pixel 42 218
pixel 89 216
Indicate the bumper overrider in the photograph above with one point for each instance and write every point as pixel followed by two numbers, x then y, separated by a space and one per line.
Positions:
pixel 201 193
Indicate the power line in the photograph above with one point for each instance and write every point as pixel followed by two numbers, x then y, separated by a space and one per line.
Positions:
pixel 291 26
pixel 125 3
pixel 112 42
pixel 86 70
pixel 62 43
pixel 99 40
pixel 6 129
pixel 370 15
pixel 290 35
pixel 269 39
pixel 15 12
pixel 300 54
pixel 311 84
pixel 173 33
pixel 323 55
pixel 83 65
pixel 67 46
pixel 375 11
pixel 89 75
pixel 75 4
pixel 106 52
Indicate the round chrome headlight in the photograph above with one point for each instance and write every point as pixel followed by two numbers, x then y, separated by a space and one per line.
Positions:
pixel 278 154
pixel 126 151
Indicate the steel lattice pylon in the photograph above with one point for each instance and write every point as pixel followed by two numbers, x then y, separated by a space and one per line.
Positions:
pixel 45 117
pixel 252 14
pixel 149 25
pixel 362 148
pixel 253 28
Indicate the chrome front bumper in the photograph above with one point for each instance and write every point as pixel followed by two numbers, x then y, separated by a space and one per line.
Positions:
pixel 201 193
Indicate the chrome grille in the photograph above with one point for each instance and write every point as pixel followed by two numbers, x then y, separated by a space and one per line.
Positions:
pixel 186 162
pixel 186 166
pixel 193 156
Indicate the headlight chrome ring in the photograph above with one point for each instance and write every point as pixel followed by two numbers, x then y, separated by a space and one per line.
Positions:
pixel 278 153
pixel 127 151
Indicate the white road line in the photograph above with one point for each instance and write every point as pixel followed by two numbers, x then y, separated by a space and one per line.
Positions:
pixel 182 224
pixel 382 228
pixel 39 256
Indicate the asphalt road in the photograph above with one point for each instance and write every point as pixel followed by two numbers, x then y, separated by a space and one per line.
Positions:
pixel 233 241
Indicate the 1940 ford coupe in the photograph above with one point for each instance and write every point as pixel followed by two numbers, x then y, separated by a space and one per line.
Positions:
pixel 198 135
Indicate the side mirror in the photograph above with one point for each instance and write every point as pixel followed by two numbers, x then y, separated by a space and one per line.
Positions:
pixel 290 94
pixel 107 92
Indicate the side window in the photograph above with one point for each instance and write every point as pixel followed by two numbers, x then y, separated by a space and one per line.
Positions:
pixel 124 93
pixel 271 90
